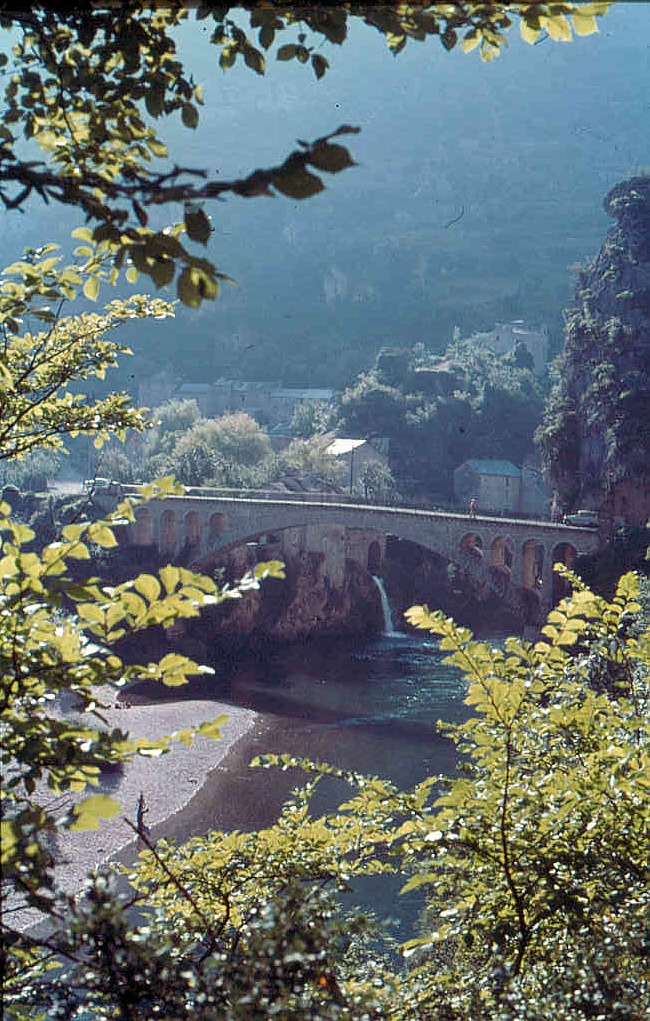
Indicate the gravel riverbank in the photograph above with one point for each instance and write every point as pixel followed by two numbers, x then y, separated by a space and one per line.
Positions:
pixel 169 783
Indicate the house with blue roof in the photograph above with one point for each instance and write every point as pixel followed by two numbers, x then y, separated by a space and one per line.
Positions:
pixel 501 487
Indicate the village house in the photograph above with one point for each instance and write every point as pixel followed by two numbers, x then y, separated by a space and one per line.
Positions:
pixel 270 404
pixel 499 486
pixel 356 455
pixel 505 336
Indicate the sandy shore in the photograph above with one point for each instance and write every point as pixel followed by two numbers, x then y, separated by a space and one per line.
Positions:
pixel 170 783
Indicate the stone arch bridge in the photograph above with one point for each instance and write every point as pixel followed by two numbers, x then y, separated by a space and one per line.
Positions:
pixel 507 555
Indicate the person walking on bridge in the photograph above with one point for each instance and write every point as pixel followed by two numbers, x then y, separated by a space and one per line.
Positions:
pixel 472 507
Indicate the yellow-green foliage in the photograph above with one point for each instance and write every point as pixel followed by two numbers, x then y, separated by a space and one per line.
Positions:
pixel 57 637
pixel 38 410
pixel 533 862
pixel 536 859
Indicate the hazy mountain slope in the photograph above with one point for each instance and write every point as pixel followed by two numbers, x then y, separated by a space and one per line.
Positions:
pixel 518 153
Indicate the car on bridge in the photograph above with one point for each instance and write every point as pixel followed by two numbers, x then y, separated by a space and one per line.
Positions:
pixel 582 519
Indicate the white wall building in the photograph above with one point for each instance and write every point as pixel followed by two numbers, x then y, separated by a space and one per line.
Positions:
pixel 505 336
pixel 356 455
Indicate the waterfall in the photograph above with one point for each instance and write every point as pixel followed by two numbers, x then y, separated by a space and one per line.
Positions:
pixel 389 628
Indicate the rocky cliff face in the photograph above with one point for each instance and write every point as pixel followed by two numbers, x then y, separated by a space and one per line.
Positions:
pixel 595 437
pixel 307 605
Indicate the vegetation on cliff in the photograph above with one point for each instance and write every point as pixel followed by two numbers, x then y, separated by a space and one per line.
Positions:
pixel 596 431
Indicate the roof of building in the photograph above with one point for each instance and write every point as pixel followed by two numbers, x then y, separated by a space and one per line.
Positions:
pixel 494 468
pixel 343 446
pixel 195 388
pixel 304 393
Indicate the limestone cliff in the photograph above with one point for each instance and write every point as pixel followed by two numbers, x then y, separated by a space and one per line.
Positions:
pixel 596 430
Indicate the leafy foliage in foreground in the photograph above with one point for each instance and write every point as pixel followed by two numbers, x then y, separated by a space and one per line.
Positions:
pixel 537 866
pixel 533 861
pixel 45 355
pixel 57 638
pixel 57 634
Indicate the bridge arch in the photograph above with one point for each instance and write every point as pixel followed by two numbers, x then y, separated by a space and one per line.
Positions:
pixel 168 532
pixel 500 562
pixel 532 565
pixel 472 544
pixel 143 527
pixel 501 552
pixel 193 529
pixel 217 525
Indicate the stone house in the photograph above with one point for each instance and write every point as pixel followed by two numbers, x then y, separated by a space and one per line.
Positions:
pixel 495 485
pixel 501 487
pixel 269 403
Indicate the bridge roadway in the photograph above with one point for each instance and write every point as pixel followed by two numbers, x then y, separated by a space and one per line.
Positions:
pixel 206 521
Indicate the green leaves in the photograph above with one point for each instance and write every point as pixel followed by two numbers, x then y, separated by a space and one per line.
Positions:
pixel 91 289
pixel 89 812
pixel 297 183
pixel 536 844
pixel 194 285
pixel 197 225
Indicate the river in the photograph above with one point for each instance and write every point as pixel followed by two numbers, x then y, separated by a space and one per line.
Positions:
pixel 370 708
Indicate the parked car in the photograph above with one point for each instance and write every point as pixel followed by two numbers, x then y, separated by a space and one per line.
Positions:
pixel 98 483
pixel 582 519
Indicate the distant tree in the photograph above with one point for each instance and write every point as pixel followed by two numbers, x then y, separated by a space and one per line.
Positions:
pixel 169 420
pixel 378 483
pixel 33 472
pixel 311 418
pixel 115 464
pixel 310 457
pixel 196 465
pixel 239 439
pixel 371 407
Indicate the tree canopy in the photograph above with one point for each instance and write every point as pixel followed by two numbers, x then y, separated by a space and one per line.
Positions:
pixel 440 410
